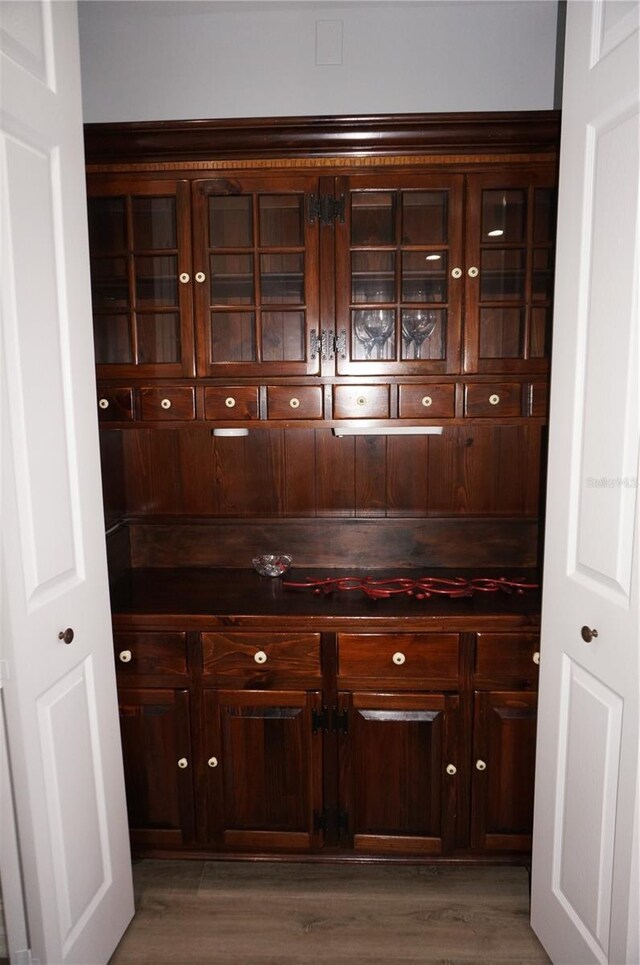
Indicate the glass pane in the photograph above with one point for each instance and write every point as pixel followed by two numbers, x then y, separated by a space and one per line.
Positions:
pixel 154 223
pixel 232 279
pixel 156 281
pixel 109 283
pixel 544 214
pixel 233 337
pixel 542 274
pixel 112 339
pixel 424 217
pixel 231 221
pixel 282 336
pixel 502 274
pixel 501 333
pixel 373 218
pixel 424 276
pixel 423 333
pixel 504 215
pixel 158 337
pixel 281 220
pixel 540 332
pixel 373 276
pixel 282 278
pixel 373 333
pixel 107 224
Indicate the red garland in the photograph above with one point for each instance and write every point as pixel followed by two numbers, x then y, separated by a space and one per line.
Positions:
pixel 422 588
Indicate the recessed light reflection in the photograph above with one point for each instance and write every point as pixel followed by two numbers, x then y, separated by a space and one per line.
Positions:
pixel 496 233
pixel 433 257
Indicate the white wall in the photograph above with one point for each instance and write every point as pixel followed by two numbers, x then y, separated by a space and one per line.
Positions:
pixel 159 59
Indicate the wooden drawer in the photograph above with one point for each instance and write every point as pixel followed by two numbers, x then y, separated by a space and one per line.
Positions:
pixel 115 405
pixel 399 659
pixel 170 403
pixel 159 654
pixel 231 402
pixel 261 657
pixel 426 401
pixel 507 659
pixel 538 398
pixel 361 402
pixel 493 399
pixel 294 402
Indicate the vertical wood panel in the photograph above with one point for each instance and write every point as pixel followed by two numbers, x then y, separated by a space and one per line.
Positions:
pixel 445 497
pixel 370 475
pixel 197 471
pixel 407 475
pixel 300 472
pixel 335 463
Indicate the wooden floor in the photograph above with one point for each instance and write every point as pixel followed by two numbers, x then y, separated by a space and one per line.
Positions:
pixel 232 913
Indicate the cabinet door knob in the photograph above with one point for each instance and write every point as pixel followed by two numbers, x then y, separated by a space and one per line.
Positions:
pixel 398 658
pixel 588 634
pixel 452 769
pixel 456 272
pixel 426 401
pixel 183 762
pixel 213 762
pixel 361 400
pixel 536 657
pixel 124 656
pixel 494 399
pixel 200 276
pixel 230 402
pixel 66 635
pixel 481 766
pixel 294 403
pixel 260 657
pixel 166 403
pixel 473 272
pixel 103 403
pixel 184 277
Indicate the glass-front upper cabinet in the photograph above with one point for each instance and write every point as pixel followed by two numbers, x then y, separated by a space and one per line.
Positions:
pixel 510 227
pixel 399 274
pixel 140 248
pixel 256 271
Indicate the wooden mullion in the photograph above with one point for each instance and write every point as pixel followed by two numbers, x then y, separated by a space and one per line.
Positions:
pixel 133 305
pixel 257 286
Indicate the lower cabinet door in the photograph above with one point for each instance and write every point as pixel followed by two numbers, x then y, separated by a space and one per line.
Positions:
pixel 158 767
pixel 263 753
pixel 504 744
pixel 399 771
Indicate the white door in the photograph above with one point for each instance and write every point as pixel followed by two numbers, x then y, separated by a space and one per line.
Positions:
pixel 60 696
pixel 584 893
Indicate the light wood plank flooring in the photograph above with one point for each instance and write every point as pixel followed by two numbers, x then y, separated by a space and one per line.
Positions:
pixel 234 913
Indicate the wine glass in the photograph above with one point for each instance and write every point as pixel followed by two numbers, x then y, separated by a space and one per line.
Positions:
pixel 378 325
pixel 417 326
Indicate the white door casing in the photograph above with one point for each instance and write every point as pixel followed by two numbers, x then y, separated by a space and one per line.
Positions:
pixel 584 898
pixel 60 698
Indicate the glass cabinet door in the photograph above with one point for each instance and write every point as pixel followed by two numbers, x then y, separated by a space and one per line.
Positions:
pixel 511 220
pixel 256 264
pixel 398 284
pixel 140 277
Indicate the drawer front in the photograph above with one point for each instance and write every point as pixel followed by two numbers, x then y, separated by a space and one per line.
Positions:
pixel 493 399
pixel 361 402
pixel 426 401
pixel 151 653
pixel 261 656
pixel 507 659
pixel 400 658
pixel 171 402
pixel 538 398
pixel 115 405
pixel 294 402
pixel 231 402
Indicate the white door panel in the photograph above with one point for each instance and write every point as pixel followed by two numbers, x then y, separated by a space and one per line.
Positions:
pixel 585 824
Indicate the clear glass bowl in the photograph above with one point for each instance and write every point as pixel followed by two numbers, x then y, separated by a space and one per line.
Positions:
pixel 272 564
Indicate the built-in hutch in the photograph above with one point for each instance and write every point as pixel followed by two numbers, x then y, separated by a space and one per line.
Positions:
pixel 298 280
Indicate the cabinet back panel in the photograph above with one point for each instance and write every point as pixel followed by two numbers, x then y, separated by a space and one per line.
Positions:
pixel 468 471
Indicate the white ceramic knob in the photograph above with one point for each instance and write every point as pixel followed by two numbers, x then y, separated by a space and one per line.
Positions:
pixel 200 276
pixel 473 272
pixel 183 762
pixel 456 272
pixel 184 277
pixel 294 403
pixel 124 656
pixel 426 401
pixel 494 399
pixel 361 400
pixel 213 762
pixel 398 658
pixel 230 402
pixel 166 403
pixel 536 657
pixel 452 769
pixel 260 657
pixel 104 403
pixel 481 766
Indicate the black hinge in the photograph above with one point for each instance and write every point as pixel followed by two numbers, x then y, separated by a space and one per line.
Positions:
pixel 325 209
pixel 331 819
pixel 329 719
pixel 340 721
pixel 343 820
pixel 319 720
